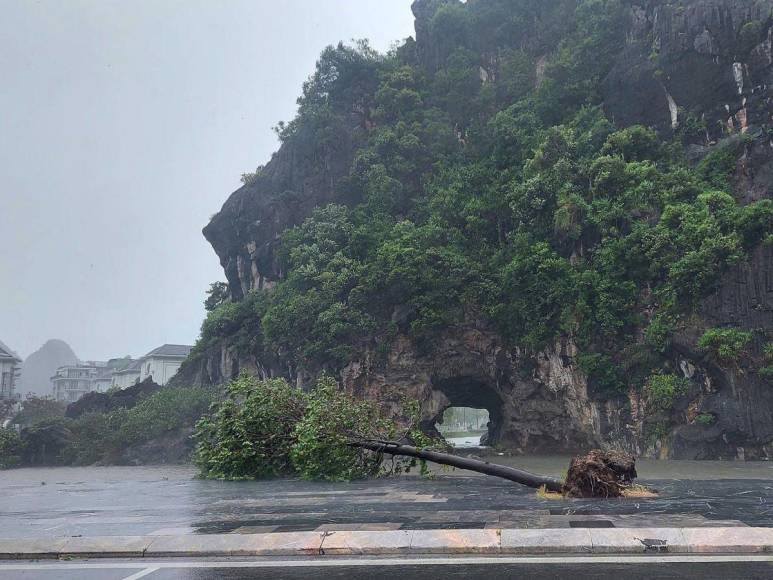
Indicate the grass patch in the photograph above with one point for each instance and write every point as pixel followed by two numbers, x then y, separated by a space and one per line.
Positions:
pixel 638 490
pixel 544 493
pixel 635 490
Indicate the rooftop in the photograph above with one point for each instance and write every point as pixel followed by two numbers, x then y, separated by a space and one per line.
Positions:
pixel 132 367
pixel 6 353
pixel 181 350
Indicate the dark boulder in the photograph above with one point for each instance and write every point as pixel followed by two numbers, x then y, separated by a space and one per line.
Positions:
pixel 106 402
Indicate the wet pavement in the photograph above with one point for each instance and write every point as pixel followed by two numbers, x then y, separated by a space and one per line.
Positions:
pixel 110 501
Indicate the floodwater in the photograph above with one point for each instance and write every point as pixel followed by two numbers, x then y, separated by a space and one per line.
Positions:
pixel 468 442
pixel 648 469
pixel 163 500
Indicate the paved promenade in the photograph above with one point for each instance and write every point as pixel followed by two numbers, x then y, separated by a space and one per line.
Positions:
pixel 161 523
pixel 94 502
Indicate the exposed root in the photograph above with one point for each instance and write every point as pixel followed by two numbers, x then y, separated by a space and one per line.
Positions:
pixel 636 490
pixel 600 474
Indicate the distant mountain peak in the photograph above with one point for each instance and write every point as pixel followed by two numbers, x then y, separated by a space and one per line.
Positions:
pixel 42 364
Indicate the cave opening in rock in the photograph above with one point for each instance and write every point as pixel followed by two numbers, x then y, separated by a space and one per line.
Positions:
pixel 469 406
pixel 464 426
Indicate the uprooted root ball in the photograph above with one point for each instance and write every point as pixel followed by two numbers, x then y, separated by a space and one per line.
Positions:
pixel 600 474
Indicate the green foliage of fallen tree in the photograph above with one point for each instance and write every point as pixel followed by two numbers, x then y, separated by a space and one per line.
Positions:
pixel 251 432
pixel 332 420
pixel 268 428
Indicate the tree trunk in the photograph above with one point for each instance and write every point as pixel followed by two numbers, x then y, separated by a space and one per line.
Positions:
pixel 517 475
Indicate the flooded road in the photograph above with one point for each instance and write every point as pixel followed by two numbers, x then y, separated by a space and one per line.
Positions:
pixel 170 500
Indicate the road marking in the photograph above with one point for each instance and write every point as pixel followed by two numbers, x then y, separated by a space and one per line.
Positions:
pixel 148 567
pixel 141 573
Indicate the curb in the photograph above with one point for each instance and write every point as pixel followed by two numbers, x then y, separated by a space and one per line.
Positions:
pixel 733 540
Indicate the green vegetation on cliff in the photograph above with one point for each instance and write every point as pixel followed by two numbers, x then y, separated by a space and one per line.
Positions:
pixel 500 192
pixel 486 182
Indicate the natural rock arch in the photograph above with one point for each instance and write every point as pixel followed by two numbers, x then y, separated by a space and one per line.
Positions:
pixel 468 391
pixel 537 402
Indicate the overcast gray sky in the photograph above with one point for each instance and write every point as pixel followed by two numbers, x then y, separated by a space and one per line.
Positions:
pixel 124 125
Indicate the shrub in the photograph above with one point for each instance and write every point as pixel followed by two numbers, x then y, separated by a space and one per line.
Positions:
pixel 602 373
pixel 705 419
pixel 11 447
pixel 658 333
pixel 662 389
pixel 655 432
pixel 44 441
pixel 93 439
pixel 37 409
pixel 250 434
pixel 725 345
pixel 749 36
pixel 717 167
pixel 166 410
pixel 217 294
pixel 103 437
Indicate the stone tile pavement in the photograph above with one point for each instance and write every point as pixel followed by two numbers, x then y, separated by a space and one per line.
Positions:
pixel 170 502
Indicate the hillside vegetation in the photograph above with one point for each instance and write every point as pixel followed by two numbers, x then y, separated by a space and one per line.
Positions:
pixel 501 193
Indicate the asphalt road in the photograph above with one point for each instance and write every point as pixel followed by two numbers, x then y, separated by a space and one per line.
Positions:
pixel 576 568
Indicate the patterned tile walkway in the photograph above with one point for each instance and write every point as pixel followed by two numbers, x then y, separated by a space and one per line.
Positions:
pixel 162 501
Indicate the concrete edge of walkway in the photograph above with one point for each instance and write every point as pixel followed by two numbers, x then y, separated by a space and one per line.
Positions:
pixel 733 540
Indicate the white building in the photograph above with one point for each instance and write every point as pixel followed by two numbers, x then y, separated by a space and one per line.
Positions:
pixel 127 376
pixel 9 372
pixel 71 382
pixel 103 379
pixel 162 363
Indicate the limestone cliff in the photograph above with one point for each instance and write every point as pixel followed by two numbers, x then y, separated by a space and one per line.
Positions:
pixel 700 67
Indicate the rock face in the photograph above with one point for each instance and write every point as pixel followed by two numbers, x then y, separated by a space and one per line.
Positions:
pixel 702 54
pixel 740 400
pixel 106 402
pixel 41 365
pixel 702 64
pixel 245 232
pixel 537 402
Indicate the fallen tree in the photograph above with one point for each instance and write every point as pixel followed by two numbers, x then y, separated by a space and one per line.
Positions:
pixel 269 428
pixel 598 474
pixel 511 473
